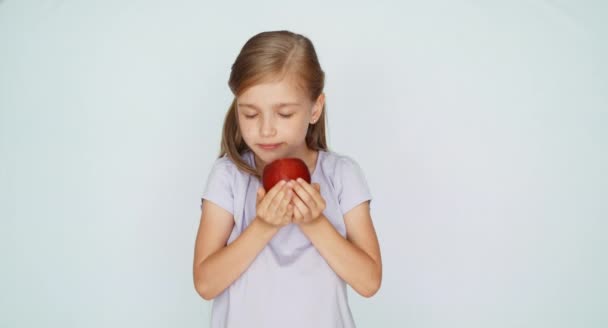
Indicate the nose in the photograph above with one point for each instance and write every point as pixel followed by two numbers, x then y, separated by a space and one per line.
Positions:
pixel 267 128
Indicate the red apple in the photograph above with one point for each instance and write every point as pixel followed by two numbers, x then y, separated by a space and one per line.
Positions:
pixel 284 169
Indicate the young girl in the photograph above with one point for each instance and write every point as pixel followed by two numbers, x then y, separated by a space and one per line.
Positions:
pixel 282 257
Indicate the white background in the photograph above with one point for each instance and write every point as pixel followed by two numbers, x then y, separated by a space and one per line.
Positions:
pixel 480 126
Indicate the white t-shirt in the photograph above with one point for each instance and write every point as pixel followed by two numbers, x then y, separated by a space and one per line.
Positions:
pixel 289 284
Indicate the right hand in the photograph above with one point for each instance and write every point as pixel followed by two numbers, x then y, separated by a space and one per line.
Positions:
pixel 274 207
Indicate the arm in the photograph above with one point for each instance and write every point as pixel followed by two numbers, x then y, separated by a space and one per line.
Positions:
pixel 216 265
pixel 356 259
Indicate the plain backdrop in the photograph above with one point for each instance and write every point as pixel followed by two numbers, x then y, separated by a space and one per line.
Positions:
pixel 480 126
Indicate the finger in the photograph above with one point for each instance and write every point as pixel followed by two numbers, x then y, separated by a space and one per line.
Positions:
pixel 312 193
pixel 300 209
pixel 304 194
pixel 310 188
pixel 289 213
pixel 272 194
pixel 285 201
pixel 297 215
pixel 279 202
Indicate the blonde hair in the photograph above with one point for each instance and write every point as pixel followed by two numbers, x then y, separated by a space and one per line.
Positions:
pixel 267 56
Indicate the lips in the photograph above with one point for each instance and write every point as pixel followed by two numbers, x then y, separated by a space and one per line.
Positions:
pixel 269 146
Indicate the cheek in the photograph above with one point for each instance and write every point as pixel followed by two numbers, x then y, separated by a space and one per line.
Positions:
pixel 298 130
pixel 293 129
pixel 247 129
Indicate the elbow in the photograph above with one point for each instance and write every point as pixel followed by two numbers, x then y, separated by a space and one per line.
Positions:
pixel 202 287
pixel 376 282
pixel 373 286
pixel 202 292
pixel 372 290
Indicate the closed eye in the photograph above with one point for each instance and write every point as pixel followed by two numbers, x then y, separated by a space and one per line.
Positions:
pixel 282 115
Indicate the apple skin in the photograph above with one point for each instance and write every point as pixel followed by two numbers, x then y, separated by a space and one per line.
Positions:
pixel 289 168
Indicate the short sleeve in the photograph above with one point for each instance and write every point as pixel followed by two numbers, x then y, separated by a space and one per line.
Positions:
pixel 352 187
pixel 218 188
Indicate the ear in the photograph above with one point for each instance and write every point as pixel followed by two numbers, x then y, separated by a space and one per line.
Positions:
pixel 317 109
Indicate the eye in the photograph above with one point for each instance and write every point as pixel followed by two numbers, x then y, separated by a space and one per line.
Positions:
pixel 253 116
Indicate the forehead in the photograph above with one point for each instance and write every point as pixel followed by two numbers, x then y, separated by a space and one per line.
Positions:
pixel 272 93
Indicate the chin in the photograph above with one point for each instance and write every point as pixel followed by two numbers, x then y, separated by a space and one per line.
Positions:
pixel 267 158
pixel 270 157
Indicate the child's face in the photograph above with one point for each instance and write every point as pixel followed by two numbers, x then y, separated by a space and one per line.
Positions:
pixel 276 113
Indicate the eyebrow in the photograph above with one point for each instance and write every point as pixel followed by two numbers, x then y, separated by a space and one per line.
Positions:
pixel 279 105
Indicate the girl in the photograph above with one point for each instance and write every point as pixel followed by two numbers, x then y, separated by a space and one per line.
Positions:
pixel 282 257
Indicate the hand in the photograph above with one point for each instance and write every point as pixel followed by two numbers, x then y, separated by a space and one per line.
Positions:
pixel 274 208
pixel 309 204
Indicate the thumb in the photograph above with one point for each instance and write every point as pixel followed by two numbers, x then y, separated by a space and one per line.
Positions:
pixel 260 194
pixel 317 186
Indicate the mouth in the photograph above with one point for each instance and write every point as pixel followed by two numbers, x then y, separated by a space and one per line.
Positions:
pixel 269 146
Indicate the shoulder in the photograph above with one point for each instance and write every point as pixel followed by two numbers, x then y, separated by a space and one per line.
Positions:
pixel 223 168
pixel 346 179
pixel 227 163
pixel 223 165
pixel 342 170
pixel 335 163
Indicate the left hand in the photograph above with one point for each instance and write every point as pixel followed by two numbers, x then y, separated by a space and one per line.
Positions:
pixel 308 203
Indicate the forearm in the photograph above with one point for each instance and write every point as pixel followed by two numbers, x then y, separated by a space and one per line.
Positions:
pixel 349 262
pixel 222 268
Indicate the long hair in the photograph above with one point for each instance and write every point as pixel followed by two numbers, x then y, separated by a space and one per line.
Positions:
pixel 269 56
